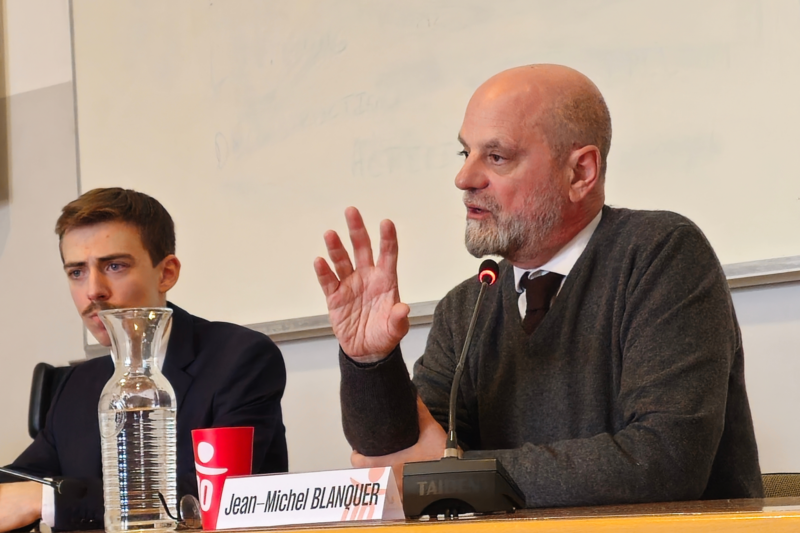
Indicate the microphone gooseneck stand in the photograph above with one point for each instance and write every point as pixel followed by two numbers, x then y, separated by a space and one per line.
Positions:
pixel 453 486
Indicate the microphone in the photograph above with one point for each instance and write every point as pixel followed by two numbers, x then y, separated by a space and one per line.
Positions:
pixel 453 486
pixel 488 272
pixel 72 488
pixel 487 275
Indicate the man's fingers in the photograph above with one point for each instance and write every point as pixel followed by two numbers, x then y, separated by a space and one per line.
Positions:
pixel 338 254
pixel 398 320
pixel 362 246
pixel 425 417
pixel 356 460
pixel 398 478
pixel 387 259
pixel 362 461
pixel 432 436
pixel 325 276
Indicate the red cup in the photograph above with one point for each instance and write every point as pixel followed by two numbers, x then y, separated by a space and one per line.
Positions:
pixel 219 453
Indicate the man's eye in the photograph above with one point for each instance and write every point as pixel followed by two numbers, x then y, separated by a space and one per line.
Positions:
pixel 115 267
pixel 74 274
pixel 463 153
pixel 496 158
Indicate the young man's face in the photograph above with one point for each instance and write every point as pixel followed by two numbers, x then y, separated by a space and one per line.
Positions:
pixel 108 267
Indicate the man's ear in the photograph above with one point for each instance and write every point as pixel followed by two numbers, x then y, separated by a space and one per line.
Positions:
pixel 584 164
pixel 170 271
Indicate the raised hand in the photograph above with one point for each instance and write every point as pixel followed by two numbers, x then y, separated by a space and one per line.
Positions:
pixel 364 304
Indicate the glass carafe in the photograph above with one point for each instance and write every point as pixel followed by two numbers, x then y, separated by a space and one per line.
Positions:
pixel 137 424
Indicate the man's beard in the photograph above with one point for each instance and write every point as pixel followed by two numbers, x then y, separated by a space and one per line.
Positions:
pixel 514 237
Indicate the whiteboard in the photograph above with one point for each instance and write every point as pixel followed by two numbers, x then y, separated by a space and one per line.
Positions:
pixel 257 122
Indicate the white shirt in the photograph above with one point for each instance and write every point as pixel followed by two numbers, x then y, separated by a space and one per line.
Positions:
pixel 48 493
pixel 561 263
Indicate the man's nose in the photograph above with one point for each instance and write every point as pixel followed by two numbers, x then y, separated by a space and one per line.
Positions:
pixel 471 176
pixel 98 286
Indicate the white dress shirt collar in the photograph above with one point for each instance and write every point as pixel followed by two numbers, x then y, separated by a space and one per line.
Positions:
pixel 566 257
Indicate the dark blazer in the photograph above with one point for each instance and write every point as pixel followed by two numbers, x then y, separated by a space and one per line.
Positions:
pixel 223 375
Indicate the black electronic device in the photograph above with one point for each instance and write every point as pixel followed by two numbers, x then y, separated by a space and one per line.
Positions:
pixel 453 486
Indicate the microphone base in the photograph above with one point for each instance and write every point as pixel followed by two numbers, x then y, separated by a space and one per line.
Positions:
pixel 452 487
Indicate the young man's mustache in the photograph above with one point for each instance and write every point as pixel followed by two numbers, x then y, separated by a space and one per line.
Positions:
pixel 94 307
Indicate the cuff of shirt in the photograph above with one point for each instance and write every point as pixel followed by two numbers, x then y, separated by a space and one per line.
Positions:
pixel 48 505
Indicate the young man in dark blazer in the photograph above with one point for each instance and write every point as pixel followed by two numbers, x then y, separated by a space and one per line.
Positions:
pixel 118 250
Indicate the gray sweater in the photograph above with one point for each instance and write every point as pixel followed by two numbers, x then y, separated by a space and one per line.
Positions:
pixel 631 389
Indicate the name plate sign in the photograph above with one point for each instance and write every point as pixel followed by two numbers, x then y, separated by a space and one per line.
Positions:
pixel 309 498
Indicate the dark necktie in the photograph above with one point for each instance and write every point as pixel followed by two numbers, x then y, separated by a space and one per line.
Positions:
pixel 539 292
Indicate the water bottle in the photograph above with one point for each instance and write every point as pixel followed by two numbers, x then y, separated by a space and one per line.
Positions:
pixel 137 424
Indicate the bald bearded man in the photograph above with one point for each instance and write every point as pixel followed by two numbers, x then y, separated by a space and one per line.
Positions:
pixel 629 389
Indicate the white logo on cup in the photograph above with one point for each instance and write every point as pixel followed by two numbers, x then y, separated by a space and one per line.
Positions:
pixel 205 452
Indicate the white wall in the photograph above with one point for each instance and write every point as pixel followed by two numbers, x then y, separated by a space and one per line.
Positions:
pixel 37 319
pixel 770 321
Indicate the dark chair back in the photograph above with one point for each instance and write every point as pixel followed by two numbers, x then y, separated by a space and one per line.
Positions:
pixel 781 485
pixel 46 379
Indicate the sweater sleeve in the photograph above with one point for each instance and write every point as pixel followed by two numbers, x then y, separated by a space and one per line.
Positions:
pixel 379 405
pixel 678 339
pixel 379 400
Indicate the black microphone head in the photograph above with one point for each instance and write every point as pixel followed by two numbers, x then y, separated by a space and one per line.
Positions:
pixel 72 488
pixel 488 271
